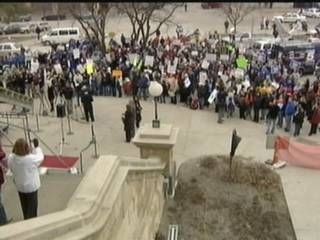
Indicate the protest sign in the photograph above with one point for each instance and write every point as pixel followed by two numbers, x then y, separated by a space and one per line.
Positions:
pixel 187 82
pixel 132 57
pixel 224 78
pixel 57 68
pixel 34 66
pixel 211 57
pixel 172 66
pixel 212 96
pixel 238 73
pixel 116 73
pixel 108 57
pixel 76 53
pixel 89 68
pixel 194 53
pixel 202 78
pixel 148 61
pixel 224 57
pixel 242 62
pixel 80 68
pixel 205 64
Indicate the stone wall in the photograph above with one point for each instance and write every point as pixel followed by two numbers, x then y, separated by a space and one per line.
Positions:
pixel 118 199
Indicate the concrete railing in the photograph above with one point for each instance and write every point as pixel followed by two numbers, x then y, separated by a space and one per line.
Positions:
pixel 119 198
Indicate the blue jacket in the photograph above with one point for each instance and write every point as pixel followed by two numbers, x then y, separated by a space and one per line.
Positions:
pixel 290 109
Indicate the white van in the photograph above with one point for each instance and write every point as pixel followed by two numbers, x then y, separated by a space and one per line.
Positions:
pixel 60 35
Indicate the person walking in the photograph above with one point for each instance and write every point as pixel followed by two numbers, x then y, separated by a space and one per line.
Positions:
pixel 3 216
pixel 138 110
pixel 289 112
pixel 38 30
pixel 272 116
pixel 226 26
pixel 298 120
pixel 127 119
pixel 24 167
pixel 221 103
pixel 87 99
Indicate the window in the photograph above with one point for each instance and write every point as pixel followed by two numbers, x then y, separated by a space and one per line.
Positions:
pixel 54 33
pixel 7 47
pixel 63 32
pixel 1 47
pixel 267 46
pixel 73 32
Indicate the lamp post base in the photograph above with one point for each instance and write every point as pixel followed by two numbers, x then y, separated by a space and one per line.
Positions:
pixel 156 123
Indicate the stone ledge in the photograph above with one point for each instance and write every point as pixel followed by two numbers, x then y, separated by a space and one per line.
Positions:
pixel 91 206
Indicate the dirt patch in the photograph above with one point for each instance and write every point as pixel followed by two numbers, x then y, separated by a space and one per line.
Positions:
pixel 208 205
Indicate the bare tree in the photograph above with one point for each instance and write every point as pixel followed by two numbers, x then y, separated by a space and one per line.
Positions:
pixel 94 24
pixel 236 12
pixel 143 15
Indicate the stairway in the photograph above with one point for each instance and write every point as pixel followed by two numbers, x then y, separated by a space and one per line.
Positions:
pixel 15 98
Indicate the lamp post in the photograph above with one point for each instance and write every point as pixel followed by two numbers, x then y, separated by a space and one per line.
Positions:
pixel 155 90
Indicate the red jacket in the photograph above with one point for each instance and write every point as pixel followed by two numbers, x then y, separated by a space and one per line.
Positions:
pixel 315 119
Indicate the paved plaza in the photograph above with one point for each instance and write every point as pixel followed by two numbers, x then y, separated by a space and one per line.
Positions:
pixel 199 134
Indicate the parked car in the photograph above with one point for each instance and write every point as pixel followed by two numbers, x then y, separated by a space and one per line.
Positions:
pixel 61 35
pixel 311 12
pixel 3 26
pixel 24 28
pixel 238 37
pixel 25 18
pixel 9 47
pixel 208 5
pixel 53 17
pixel 290 18
pixel 44 26
pixel 12 29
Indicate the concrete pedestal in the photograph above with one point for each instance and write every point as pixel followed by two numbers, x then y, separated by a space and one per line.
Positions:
pixel 158 142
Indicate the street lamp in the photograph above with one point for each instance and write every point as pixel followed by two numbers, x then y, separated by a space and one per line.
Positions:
pixel 155 90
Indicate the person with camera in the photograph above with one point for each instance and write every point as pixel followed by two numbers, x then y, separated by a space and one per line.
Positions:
pixel 24 166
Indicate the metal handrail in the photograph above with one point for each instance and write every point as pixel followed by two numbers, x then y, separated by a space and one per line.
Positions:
pixel 92 142
pixel 40 139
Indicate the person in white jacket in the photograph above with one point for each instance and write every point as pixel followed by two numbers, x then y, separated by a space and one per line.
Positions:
pixel 24 167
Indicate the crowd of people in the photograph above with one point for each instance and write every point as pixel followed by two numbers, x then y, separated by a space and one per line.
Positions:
pixel 192 70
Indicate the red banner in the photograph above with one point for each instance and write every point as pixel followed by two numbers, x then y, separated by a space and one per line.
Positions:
pixel 297 153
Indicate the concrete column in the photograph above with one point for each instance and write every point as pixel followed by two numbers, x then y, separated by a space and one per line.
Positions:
pixel 158 142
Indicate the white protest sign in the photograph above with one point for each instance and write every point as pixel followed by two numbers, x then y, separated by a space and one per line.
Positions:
pixel 205 64
pixel 132 57
pixel 57 68
pixel 211 57
pixel 212 96
pixel 80 68
pixel 108 57
pixel 275 85
pixel 159 53
pixel 224 78
pixel 148 61
pixel 187 82
pixel 238 73
pixel 246 84
pixel 224 57
pixel 34 66
pixel 194 53
pixel 202 78
pixel 76 53
pixel 176 42
pixel 172 67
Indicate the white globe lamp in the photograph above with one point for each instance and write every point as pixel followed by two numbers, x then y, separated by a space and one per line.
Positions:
pixel 155 90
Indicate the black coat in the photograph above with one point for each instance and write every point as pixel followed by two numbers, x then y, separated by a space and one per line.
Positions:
pixel 128 119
